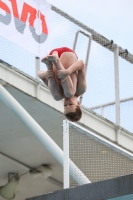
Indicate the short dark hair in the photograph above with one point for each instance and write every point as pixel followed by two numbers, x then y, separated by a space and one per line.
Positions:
pixel 74 116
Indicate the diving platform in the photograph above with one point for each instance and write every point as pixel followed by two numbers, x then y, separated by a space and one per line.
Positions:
pixel 20 150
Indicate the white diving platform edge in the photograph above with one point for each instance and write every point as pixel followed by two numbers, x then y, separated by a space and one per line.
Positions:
pixel 94 122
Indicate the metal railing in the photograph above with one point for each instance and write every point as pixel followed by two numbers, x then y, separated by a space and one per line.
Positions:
pixel 102 106
pixel 87 52
pixel 118 51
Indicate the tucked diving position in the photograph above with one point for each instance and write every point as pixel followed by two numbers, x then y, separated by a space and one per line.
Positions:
pixel 66 79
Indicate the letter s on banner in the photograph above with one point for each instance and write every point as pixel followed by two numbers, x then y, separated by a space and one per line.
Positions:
pixel 21 24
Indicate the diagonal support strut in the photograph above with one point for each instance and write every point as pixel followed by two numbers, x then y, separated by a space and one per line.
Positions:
pixel 44 138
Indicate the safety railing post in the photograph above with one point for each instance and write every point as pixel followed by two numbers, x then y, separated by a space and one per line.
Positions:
pixel 88 51
pixel 66 153
pixel 75 40
pixel 102 111
pixel 86 61
pixel 117 93
pixel 37 66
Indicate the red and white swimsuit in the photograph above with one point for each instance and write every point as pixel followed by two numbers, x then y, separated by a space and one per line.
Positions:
pixel 62 50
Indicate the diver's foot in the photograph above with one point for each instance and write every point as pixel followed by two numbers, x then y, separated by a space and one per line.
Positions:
pixel 48 63
pixel 53 58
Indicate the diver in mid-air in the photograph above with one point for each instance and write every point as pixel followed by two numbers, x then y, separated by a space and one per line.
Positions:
pixel 66 79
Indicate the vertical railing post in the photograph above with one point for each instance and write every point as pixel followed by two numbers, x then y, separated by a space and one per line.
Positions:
pixel 102 110
pixel 75 40
pixel 87 60
pixel 37 66
pixel 117 93
pixel 88 52
pixel 66 153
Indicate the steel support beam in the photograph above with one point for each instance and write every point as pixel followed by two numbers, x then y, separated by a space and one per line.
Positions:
pixel 44 138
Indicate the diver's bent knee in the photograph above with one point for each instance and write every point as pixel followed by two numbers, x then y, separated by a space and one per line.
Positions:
pixel 82 63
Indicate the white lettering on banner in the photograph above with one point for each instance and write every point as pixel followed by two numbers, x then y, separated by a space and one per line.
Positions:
pixel 30 16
